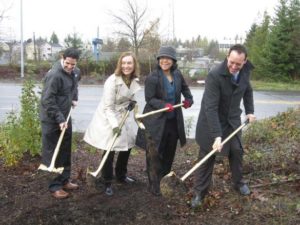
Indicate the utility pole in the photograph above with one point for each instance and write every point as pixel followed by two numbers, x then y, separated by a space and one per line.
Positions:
pixel 34 48
pixel 98 46
pixel 173 18
pixel 22 42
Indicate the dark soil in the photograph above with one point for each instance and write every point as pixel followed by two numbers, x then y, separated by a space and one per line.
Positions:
pixel 24 198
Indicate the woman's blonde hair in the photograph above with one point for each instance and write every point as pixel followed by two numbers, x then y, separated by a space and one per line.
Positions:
pixel 136 70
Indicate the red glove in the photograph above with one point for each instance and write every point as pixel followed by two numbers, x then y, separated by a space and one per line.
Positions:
pixel 186 104
pixel 170 107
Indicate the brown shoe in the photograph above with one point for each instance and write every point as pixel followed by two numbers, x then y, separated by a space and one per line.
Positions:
pixel 70 186
pixel 60 194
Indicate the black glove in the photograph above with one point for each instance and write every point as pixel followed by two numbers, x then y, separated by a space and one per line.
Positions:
pixel 131 105
pixel 117 130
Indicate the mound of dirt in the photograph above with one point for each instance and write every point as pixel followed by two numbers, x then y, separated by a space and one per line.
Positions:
pixel 24 198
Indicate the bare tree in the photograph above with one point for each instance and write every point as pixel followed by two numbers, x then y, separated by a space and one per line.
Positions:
pixel 134 26
pixel 152 40
pixel 3 11
pixel 3 15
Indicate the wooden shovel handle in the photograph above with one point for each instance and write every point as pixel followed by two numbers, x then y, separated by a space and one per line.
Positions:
pixel 61 136
pixel 95 174
pixel 157 111
pixel 213 151
pixel 52 168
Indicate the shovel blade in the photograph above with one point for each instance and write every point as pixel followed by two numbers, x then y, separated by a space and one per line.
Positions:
pixel 172 186
pixel 90 180
pixel 58 170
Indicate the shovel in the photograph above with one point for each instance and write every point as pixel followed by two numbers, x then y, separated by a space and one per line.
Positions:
pixel 138 117
pixel 51 168
pixel 171 181
pixel 95 173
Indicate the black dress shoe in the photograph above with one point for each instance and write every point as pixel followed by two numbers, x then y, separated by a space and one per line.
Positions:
pixel 196 201
pixel 126 180
pixel 108 190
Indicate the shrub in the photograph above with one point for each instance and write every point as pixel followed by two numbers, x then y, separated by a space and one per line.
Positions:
pixel 21 132
pixel 273 143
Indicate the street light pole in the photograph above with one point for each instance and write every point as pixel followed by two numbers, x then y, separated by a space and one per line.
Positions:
pixel 22 46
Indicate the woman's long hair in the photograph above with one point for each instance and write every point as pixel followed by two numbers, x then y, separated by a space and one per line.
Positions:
pixel 173 67
pixel 136 70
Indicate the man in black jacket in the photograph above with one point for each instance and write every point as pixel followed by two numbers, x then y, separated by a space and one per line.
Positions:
pixel 59 94
pixel 225 87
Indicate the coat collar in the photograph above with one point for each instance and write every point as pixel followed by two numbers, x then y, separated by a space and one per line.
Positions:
pixel 134 86
pixel 223 69
pixel 176 82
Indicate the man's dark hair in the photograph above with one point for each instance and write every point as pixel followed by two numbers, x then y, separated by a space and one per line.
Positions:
pixel 72 53
pixel 239 48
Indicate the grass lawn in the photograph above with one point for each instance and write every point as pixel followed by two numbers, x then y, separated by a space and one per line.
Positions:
pixel 275 86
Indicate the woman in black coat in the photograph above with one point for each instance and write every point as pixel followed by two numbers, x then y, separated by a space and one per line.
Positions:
pixel 163 88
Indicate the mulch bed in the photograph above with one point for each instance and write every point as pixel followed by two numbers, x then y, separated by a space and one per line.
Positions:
pixel 24 198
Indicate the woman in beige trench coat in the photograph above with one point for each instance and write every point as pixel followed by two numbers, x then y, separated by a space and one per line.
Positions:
pixel 119 90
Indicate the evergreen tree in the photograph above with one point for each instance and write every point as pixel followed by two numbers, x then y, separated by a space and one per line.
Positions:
pixel 294 15
pixel 109 45
pixel 249 38
pixel 213 49
pixel 279 46
pixel 123 45
pixel 73 41
pixel 54 39
pixel 257 50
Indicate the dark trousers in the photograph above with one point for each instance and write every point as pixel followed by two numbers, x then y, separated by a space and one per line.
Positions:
pixel 203 174
pixel 120 169
pixel 168 144
pixel 50 136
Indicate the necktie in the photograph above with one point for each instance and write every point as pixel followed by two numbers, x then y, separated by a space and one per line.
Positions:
pixel 235 77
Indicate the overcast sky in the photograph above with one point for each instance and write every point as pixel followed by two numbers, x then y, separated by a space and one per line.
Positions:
pixel 214 19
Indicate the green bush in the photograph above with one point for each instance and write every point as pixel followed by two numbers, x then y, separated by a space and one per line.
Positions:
pixel 9 140
pixel 273 143
pixel 21 133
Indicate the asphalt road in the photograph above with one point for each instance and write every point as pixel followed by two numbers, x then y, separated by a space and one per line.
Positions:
pixel 267 104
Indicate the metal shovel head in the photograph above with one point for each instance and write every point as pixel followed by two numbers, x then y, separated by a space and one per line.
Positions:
pixel 90 179
pixel 110 147
pixel 138 121
pixel 58 170
pixel 45 175
pixel 172 186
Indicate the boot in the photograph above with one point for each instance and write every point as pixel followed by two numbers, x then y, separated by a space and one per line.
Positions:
pixel 196 201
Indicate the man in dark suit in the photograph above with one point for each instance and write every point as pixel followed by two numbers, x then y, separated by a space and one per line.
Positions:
pixel 226 85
